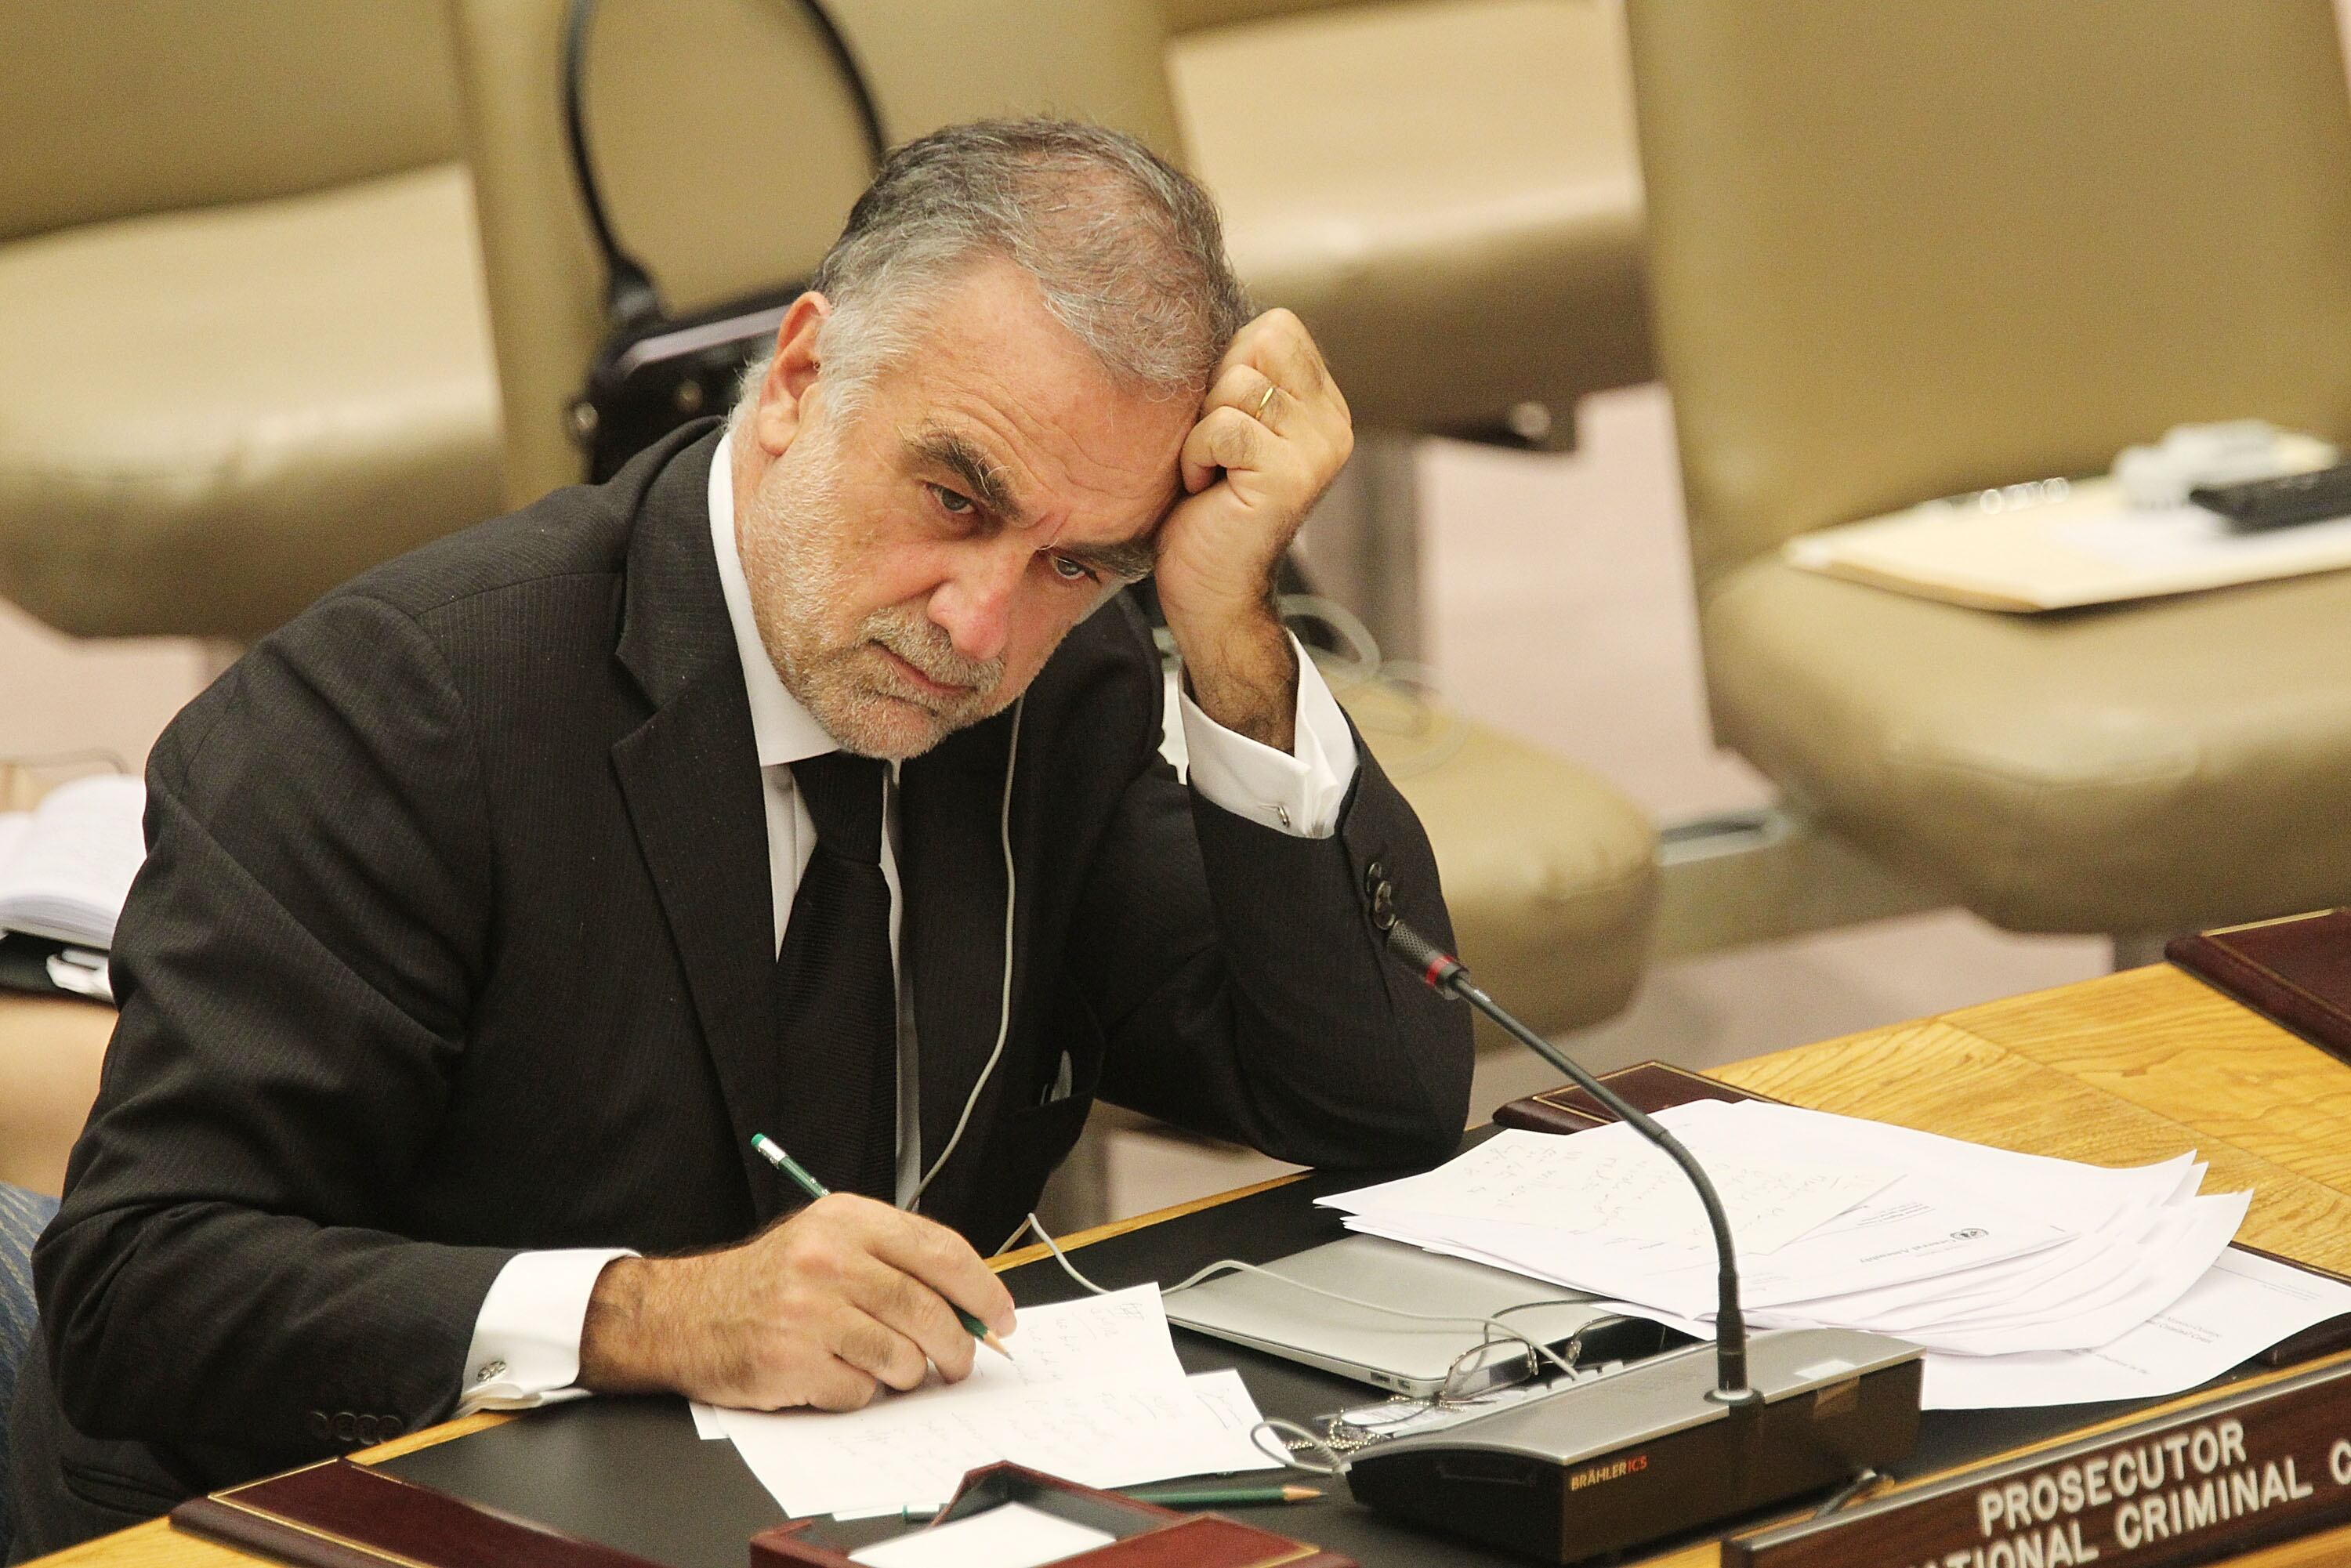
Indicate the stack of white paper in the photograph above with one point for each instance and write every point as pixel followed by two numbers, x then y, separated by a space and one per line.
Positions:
pixel 2001 1266
pixel 1093 1393
pixel 66 866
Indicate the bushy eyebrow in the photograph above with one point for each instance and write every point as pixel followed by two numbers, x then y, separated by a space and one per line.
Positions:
pixel 958 453
pixel 965 458
pixel 1129 562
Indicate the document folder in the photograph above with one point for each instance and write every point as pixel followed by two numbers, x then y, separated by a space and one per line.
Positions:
pixel 2091 548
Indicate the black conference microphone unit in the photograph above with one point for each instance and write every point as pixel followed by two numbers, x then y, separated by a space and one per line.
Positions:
pixel 1666 1445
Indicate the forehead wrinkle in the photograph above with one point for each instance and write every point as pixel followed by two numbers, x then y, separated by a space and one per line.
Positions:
pixel 1134 558
pixel 969 461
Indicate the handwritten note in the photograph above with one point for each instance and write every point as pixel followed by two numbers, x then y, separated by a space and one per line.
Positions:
pixel 1094 1392
pixel 1122 1335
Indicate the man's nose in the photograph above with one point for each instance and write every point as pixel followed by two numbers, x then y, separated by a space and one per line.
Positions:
pixel 975 605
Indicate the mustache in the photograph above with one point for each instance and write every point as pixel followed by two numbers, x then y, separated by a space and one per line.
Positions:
pixel 922 643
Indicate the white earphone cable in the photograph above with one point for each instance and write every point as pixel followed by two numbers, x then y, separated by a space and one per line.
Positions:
pixel 1004 1007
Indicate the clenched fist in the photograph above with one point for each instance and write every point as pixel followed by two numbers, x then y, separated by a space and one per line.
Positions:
pixel 1273 432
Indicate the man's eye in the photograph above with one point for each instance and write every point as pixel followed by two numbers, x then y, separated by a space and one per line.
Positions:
pixel 957 505
pixel 1070 570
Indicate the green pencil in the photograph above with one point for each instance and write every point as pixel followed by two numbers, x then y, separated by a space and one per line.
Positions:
pixel 1181 1498
pixel 1178 1497
pixel 1221 1497
pixel 773 1153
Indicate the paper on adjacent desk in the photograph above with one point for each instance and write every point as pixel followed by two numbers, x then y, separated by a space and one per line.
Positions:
pixel 2243 1304
pixel 2171 537
pixel 2091 548
pixel 1611 1181
pixel 1094 1394
pixel 66 865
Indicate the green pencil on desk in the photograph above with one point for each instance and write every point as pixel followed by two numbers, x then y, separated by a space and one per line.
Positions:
pixel 1227 1496
pixel 773 1153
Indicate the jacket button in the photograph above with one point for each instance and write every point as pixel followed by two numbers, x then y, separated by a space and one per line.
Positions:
pixel 315 1421
pixel 346 1426
pixel 367 1428
pixel 390 1427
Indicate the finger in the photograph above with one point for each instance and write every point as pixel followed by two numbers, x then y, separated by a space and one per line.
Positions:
pixel 1251 391
pixel 1225 438
pixel 880 1350
pixel 1278 344
pixel 838 1385
pixel 902 1303
pixel 945 1263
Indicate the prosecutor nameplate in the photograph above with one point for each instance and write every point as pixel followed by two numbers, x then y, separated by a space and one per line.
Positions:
pixel 2221 1477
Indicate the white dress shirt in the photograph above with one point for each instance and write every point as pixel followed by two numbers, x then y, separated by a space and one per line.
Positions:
pixel 525 1343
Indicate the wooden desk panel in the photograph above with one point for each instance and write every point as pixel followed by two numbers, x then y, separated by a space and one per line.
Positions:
pixel 2163 1039
pixel 2123 1070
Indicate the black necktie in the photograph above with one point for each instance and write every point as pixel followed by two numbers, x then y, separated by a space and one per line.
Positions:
pixel 837 995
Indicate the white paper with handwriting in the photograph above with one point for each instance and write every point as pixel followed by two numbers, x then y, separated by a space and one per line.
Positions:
pixel 1093 1393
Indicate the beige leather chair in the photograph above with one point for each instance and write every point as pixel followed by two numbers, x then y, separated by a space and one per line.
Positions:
pixel 50 1051
pixel 1549 871
pixel 1445 190
pixel 1549 874
pixel 240 308
pixel 1902 251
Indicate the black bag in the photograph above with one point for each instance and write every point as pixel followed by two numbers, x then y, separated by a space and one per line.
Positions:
pixel 655 372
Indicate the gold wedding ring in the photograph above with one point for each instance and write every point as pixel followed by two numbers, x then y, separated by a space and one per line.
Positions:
pixel 1258 412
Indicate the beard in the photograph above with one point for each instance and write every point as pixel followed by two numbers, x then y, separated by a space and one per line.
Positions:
pixel 799 560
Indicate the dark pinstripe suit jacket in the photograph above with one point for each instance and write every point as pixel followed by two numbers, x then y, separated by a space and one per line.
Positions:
pixel 454 938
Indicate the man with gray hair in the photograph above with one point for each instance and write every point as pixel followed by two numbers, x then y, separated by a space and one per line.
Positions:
pixel 803 779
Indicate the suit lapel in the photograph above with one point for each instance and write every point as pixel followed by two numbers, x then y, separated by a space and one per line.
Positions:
pixel 690 774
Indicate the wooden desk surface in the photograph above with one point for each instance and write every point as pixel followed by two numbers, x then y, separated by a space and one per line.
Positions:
pixel 2123 1070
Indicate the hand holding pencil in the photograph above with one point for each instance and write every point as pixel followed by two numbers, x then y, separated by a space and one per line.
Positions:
pixel 773 1153
pixel 822 1309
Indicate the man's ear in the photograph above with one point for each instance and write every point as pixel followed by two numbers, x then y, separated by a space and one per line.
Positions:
pixel 792 373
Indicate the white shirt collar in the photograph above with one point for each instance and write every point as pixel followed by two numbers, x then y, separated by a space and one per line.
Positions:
pixel 784 731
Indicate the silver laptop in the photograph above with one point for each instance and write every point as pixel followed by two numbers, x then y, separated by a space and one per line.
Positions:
pixel 1399 1354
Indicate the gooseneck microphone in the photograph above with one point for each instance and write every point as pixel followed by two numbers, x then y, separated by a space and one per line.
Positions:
pixel 1443 973
pixel 1646 1451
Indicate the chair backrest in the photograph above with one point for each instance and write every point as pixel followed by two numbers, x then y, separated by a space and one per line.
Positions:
pixel 1899 251
pixel 115 108
pixel 729 150
pixel 22 1216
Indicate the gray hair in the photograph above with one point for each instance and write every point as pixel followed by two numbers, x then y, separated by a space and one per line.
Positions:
pixel 1126 248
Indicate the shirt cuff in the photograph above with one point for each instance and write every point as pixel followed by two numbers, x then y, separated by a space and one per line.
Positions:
pixel 526 1347
pixel 1298 794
